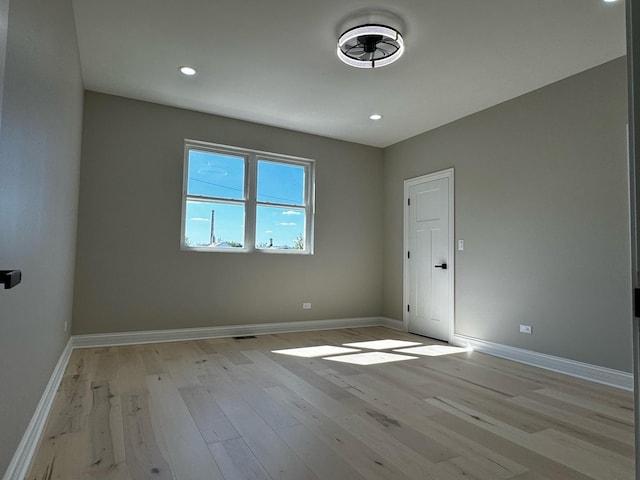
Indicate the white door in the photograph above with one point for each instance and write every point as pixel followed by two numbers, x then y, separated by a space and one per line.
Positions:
pixel 429 256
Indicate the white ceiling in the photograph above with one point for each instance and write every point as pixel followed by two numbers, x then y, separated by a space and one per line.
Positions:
pixel 274 62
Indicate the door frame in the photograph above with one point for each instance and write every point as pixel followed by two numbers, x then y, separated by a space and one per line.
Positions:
pixel 439 175
pixel 633 74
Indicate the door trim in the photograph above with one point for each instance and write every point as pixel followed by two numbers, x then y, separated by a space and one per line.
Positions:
pixel 448 173
pixel 633 73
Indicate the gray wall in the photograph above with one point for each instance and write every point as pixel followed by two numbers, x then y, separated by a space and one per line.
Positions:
pixel 131 274
pixel 4 24
pixel 542 204
pixel 39 172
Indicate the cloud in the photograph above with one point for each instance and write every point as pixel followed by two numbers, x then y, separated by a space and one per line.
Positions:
pixel 291 212
pixel 199 219
pixel 287 224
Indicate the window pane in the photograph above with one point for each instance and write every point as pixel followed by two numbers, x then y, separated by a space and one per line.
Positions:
pixel 215 175
pixel 226 230
pixel 280 183
pixel 280 228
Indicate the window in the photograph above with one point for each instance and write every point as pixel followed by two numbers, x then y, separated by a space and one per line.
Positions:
pixel 238 200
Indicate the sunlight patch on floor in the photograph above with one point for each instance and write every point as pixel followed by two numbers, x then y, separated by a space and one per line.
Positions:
pixel 434 350
pixel 370 358
pixel 347 354
pixel 382 344
pixel 319 351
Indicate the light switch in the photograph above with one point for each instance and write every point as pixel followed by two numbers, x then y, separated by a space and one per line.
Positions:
pixel 460 244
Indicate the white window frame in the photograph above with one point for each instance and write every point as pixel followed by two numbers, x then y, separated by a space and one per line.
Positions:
pixel 251 158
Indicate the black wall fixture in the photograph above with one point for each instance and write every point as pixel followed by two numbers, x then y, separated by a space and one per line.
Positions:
pixel 10 278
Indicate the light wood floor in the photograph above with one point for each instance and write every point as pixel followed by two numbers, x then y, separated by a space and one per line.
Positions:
pixel 231 409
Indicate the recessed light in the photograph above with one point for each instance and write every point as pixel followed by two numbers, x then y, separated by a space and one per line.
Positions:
pixel 188 71
pixel 610 1
pixel 375 116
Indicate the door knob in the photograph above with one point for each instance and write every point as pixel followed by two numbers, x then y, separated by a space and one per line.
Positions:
pixel 443 266
pixel 10 278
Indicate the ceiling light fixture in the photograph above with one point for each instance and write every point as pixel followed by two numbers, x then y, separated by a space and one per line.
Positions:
pixel 188 71
pixel 370 46
pixel 375 116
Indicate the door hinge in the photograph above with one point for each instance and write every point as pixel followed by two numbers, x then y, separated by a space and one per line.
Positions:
pixel 408 308
pixel 636 302
pixel 408 254
pixel 408 202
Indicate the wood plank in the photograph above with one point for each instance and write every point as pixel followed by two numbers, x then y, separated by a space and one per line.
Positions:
pixel 106 442
pixel 428 447
pixel 131 373
pixel 183 363
pixel 409 462
pixel 145 449
pixel 276 457
pixel 151 360
pixel 250 384
pixel 590 462
pixel 566 419
pixel 379 395
pixel 310 370
pixel 528 460
pixel 585 457
pixel 506 384
pixel 71 406
pixel 237 461
pixel 57 458
pixel 352 449
pixel 207 415
pixel 476 468
pixel 326 404
pixel 188 453
pixel 617 411
pixel 322 460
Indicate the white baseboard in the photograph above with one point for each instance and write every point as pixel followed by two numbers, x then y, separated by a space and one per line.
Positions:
pixel 606 376
pixel 22 457
pixel 176 335
pixel 392 323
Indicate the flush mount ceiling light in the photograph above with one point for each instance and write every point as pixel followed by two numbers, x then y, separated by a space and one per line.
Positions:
pixel 370 46
pixel 375 116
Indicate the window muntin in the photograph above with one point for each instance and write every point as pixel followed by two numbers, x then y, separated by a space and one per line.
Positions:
pixel 238 200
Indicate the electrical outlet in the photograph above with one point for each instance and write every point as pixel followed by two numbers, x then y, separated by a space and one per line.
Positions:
pixel 306 306
pixel 526 329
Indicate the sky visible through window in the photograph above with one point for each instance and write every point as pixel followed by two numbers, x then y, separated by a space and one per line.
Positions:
pixel 222 176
